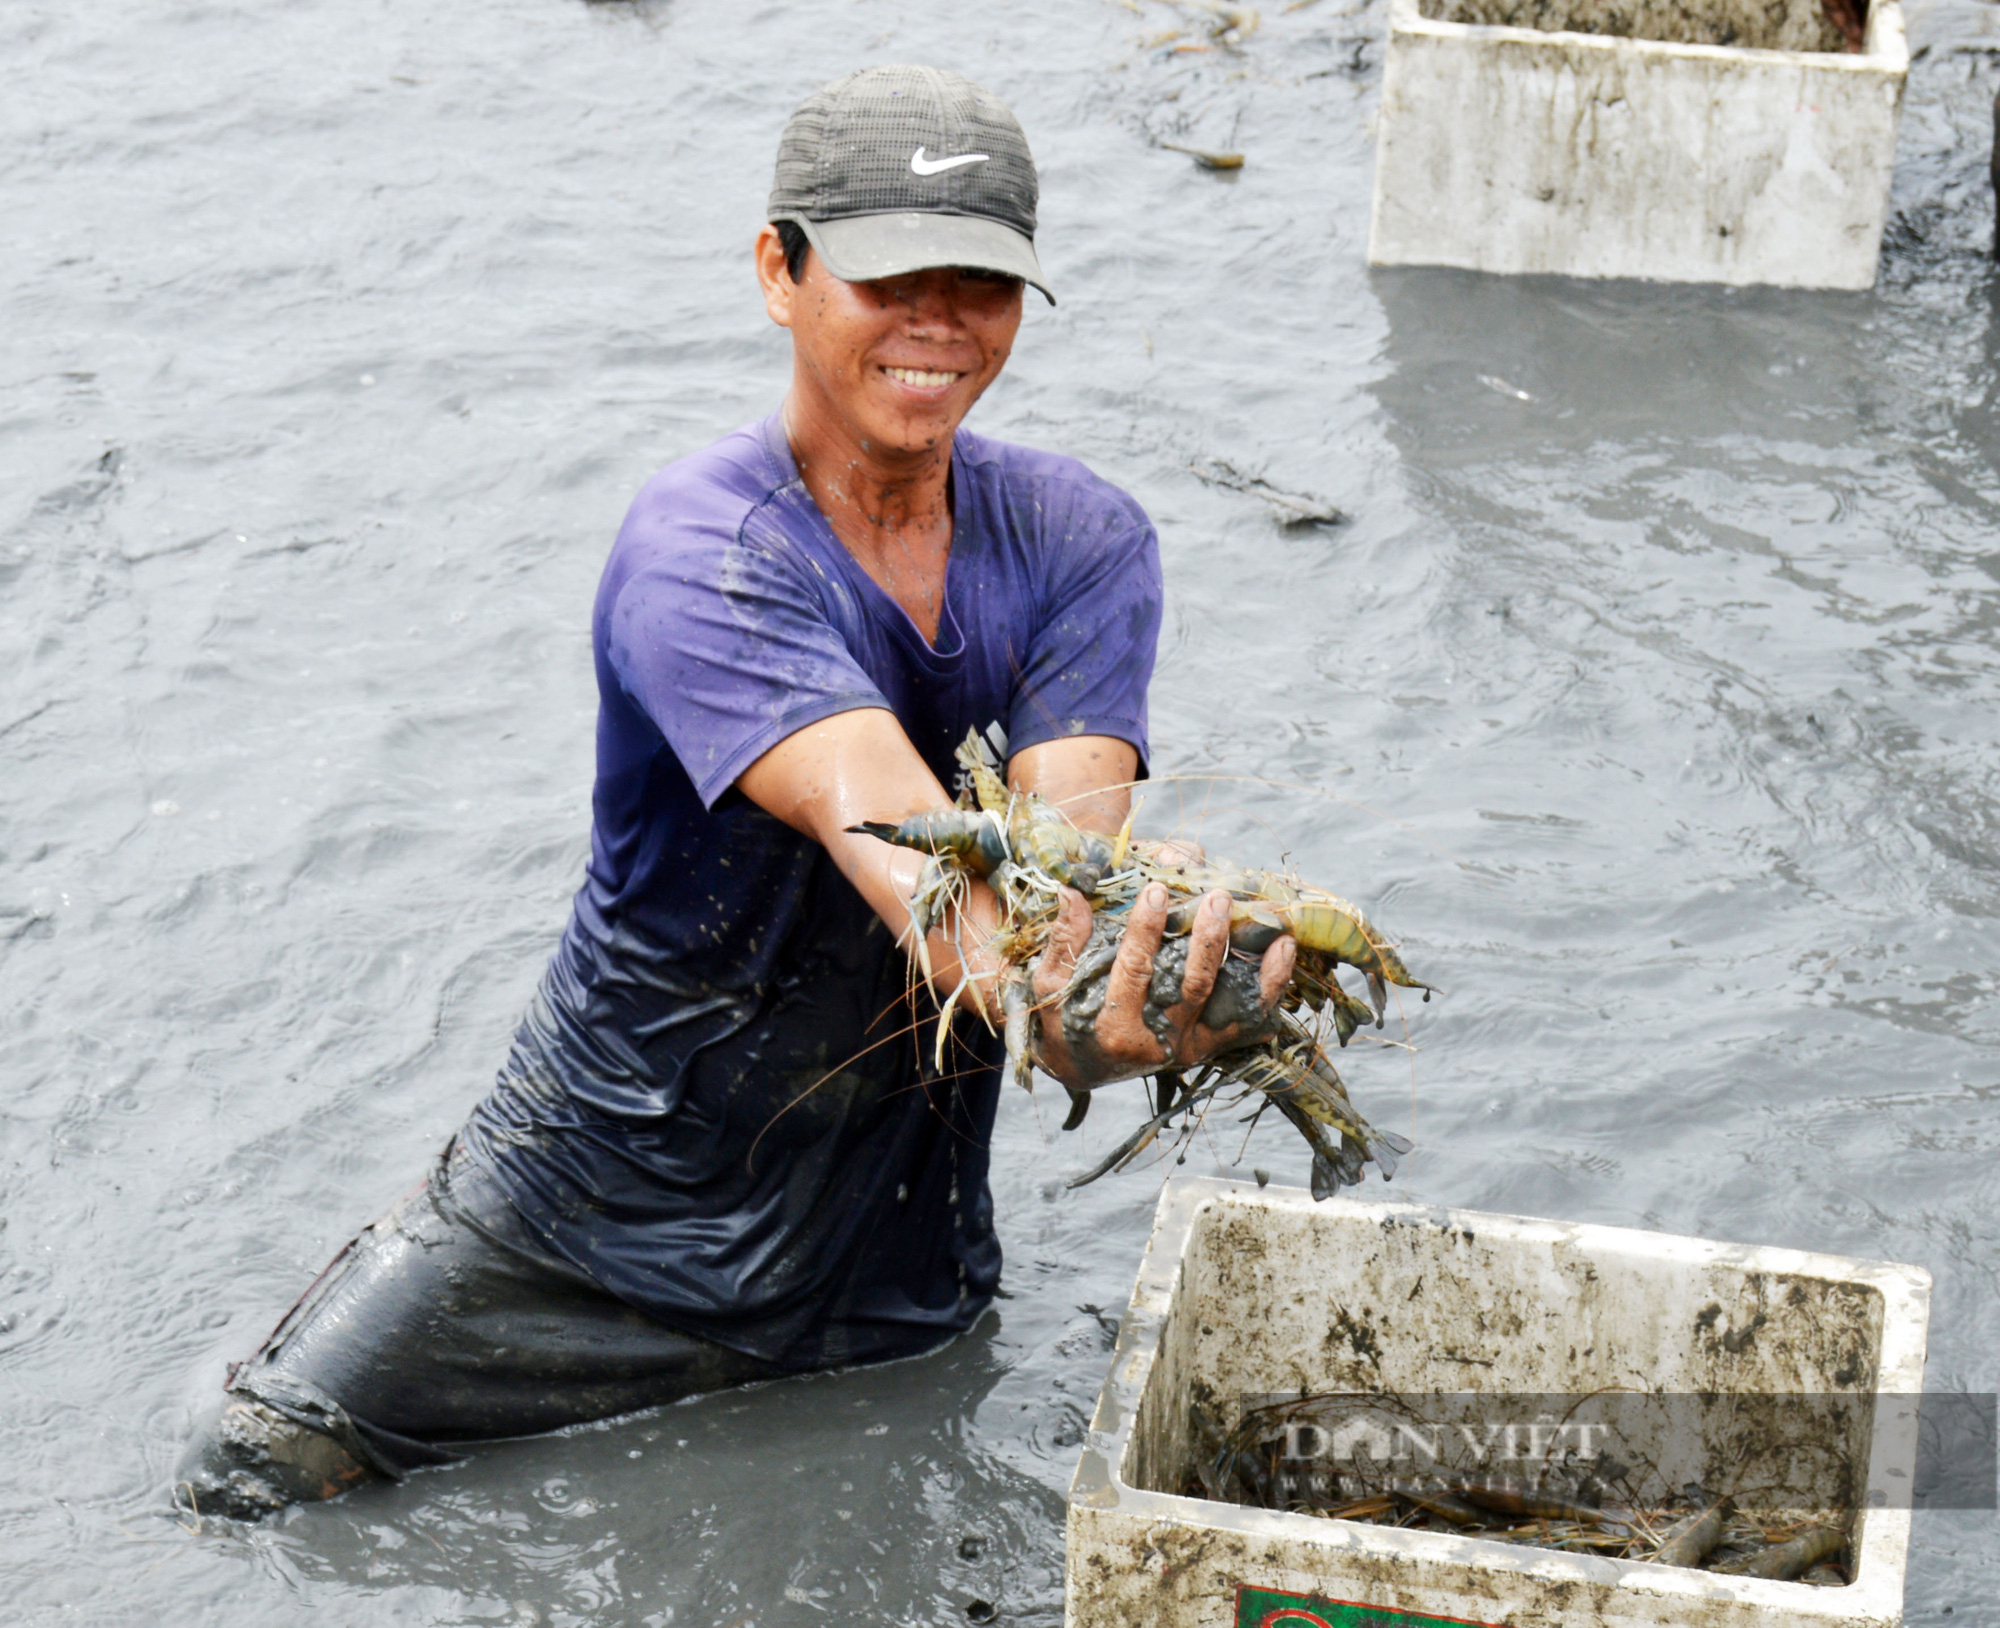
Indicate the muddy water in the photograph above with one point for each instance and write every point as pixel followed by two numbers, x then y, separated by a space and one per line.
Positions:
pixel 1653 682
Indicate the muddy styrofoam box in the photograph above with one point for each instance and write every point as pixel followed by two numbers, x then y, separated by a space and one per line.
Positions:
pixel 1247 1292
pixel 1706 141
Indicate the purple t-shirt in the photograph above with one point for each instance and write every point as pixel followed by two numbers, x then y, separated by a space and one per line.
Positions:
pixel 711 1106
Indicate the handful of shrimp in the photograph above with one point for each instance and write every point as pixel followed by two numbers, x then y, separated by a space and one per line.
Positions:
pixel 1028 851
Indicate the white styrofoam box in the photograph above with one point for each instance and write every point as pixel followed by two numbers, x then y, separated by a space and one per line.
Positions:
pixel 1531 149
pixel 1248 1292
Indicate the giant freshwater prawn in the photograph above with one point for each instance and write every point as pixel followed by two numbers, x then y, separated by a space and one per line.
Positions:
pixel 1028 851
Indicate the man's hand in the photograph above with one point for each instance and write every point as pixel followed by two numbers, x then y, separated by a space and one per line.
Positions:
pixel 1121 1043
pixel 860 765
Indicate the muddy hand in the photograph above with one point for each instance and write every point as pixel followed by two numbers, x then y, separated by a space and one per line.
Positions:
pixel 1121 1044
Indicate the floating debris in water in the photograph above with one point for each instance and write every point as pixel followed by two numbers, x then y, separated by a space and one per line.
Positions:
pixel 1225 25
pixel 1207 160
pixel 1235 24
pixel 1294 508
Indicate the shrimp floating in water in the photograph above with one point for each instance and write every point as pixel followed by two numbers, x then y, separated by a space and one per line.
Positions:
pixel 1028 851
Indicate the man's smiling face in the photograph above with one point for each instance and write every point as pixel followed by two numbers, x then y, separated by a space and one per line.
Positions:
pixel 897 363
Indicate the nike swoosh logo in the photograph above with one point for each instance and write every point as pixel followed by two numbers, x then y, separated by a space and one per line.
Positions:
pixel 921 165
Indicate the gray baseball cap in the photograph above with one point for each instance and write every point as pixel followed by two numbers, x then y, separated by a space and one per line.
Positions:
pixel 904 168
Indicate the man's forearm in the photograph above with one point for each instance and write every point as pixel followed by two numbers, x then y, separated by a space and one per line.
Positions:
pixel 960 945
pixel 1088 777
pixel 857 766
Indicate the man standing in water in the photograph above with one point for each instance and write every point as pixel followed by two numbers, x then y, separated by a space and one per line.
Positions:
pixel 714 1153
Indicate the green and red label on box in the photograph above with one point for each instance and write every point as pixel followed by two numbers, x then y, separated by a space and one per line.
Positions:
pixel 1270 1608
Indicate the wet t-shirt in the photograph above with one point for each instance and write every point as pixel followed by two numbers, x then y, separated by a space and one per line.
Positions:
pixel 718 1105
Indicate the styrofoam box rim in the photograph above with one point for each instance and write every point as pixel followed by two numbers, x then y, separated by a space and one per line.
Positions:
pixel 1905 1292
pixel 1886 49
